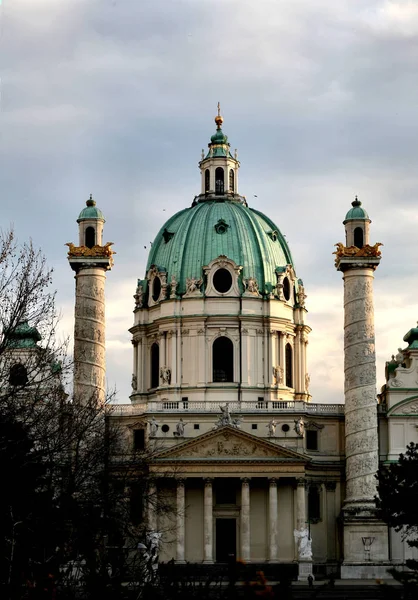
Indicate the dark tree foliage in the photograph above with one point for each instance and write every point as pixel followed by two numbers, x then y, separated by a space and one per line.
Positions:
pixel 398 505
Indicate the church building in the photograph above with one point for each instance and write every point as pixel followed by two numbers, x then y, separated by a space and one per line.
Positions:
pixel 254 468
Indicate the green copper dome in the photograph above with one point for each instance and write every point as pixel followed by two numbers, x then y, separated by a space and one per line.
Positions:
pixel 90 212
pixel 23 336
pixel 412 338
pixel 195 236
pixel 357 212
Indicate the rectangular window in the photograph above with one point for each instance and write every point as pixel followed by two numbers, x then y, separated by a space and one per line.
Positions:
pixel 196 426
pixel 314 504
pixel 254 426
pixel 311 440
pixel 136 502
pixel 226 492
pixel 139 439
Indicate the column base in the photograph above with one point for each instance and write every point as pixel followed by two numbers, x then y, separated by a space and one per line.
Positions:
pixel 305 569
pixel 180 562
pixel 208 562
pixel 366 570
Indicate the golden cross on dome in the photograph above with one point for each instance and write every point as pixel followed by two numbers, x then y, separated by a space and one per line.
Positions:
pixel 219 109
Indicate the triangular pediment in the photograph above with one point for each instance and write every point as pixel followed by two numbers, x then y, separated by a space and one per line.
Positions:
pixel 228 443
pixel 408 407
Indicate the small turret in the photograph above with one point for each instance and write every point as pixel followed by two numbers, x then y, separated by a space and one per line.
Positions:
pixel 90 225
pixel 357 224
pixel 90 261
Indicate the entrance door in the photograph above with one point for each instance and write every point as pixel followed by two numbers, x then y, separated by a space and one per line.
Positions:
pixel 226 540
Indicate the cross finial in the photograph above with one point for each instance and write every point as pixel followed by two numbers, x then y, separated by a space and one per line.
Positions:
pixel 219 109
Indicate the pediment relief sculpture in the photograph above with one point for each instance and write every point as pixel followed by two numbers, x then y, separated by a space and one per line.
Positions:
pixel 229 443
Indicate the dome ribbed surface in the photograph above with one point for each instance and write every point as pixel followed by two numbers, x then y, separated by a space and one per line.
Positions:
pixel 250 239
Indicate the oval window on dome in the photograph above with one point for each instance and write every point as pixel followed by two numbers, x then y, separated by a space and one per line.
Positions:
pixel 286 288
pixel 156 289
pixel 222 281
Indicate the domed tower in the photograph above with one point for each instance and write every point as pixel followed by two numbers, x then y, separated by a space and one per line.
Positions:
pixel 357 226
pixel 358 261
pixel 219 316
pixel 90 260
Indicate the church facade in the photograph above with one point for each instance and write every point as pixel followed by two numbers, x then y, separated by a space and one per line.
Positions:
pixel 255 470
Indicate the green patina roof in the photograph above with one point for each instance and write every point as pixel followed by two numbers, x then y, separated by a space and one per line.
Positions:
pixel 214 228
pixel 357 212
pixel 90 212
pixel 412 338
pixel 23 336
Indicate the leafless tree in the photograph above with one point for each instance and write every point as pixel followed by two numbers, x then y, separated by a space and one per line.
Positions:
pixel 66 516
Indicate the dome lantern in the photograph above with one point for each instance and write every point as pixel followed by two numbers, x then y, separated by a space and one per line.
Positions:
pixel 219 169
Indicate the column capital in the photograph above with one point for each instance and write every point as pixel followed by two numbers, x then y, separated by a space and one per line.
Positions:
pixel 300 481
pixel 208 481
pixel 273 481
pixel 245 480
pixel 180 481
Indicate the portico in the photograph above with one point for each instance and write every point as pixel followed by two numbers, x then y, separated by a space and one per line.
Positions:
pixel 234 495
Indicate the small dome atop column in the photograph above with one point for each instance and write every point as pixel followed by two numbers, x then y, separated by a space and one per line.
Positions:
pixel 356 213
pixel 91 211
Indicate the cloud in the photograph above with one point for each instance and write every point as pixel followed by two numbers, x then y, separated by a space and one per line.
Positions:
pixel 117 98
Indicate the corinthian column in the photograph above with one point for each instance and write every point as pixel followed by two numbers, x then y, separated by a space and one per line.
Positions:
pixel 208 522
pixel 245 519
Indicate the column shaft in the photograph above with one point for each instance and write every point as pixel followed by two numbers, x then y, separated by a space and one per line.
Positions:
pixel 245 520
pixel 152 506
pixel 360 387
pixel 208 522
pixel 174 357
pixel 300 505
pixel 180 520
pixel 272 520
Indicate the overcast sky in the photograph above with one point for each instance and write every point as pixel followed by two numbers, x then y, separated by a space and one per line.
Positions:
pixel 117 98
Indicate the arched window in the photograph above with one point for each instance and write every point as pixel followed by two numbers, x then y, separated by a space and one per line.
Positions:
pixel 289 365
pixel 90 237
pixel 231 181
pixel 358 237
pixel 18 375
pixel 155 365
pixel 219 181
pixel 223 359
pixel 207 180
pixel 156 288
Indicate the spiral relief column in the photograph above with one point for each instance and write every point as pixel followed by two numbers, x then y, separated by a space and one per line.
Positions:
pixel 358 263
pixel 90 261
pixel 361 441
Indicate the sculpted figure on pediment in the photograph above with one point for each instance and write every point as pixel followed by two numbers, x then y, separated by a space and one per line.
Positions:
pixel 225 446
